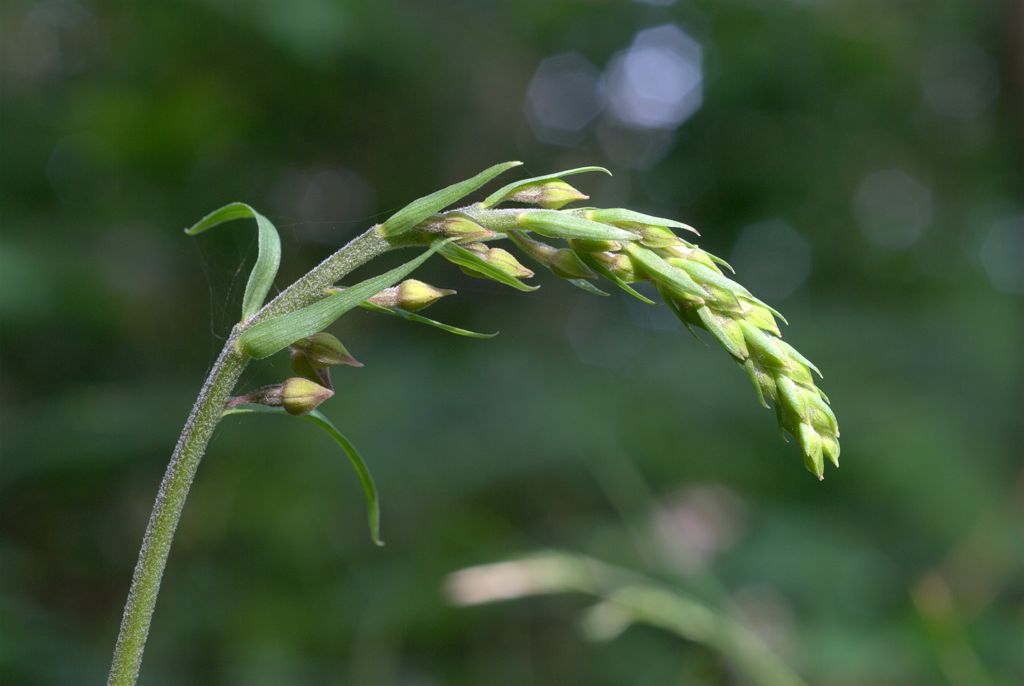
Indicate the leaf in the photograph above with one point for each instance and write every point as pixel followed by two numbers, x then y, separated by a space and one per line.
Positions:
pixel 266 338
pixel 618 216
pixel 420 319
pixel 606 273
pixel 261 279
pixel 511 189
pixel 362 472
pixel 585 285
pixel 555 224
pixel 456 254
pixel 418 210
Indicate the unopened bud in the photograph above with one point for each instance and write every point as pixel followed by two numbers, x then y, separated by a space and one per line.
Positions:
pixel 296 395
pixel 500 259
pixel 415 295
pixel 302 396
pixel 551 195
pixel 618 264
pixel 323 350
pixel 658 237
pixel 464 229
pixel 561 261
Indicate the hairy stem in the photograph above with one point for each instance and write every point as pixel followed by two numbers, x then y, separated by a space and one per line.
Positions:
pixel 195 436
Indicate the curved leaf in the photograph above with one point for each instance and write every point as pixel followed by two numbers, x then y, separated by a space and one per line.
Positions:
pixel 268 258
pixel 420 319
pixel 555 224
pixel 418 210
pixel 358 464
pixel 266 338
pixel 511 189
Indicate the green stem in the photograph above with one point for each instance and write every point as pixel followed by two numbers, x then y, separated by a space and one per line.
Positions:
pixel 195 436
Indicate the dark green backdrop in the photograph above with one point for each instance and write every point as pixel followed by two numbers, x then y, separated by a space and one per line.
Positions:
pixel 860 161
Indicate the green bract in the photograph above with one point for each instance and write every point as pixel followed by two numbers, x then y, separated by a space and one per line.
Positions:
pixel 268 259
pixel 418 210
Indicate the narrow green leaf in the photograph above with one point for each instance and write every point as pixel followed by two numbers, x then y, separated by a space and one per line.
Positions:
pixel 606 273
pixel 268 257
pixel 420 319
pixel 585 285
pixel 555 224
pixel 358 464
pixel 418 210
pixel 511 189
pixel 266 338
pixel 619 216
pixel 456 254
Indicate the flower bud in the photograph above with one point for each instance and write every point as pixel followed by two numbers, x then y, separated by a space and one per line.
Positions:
pixel 551 195
pixel 500 259
pixel 323 350
pixel 411 295
pixel 561 261
pixel 618 264
pixel 464 229
pixel 296 395
pixel 302 396
pixel 658 237
pixel 414 295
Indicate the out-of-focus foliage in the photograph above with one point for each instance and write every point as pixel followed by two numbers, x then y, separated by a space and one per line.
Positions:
pixel 858 161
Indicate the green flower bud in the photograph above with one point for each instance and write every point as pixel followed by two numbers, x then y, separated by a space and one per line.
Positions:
pixel 414 295
pixel 464 229
pixel 296 395
pixel 658 237
pixel 551 195
pixel 323 350
pixel 500 259
pixel 411 295
pixel 301 396
pixel 561 261
pixel 620 265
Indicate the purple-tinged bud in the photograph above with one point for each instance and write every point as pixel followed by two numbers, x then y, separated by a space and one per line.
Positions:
pixel 323 350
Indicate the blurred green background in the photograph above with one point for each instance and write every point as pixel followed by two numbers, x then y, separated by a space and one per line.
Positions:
pixel 859 162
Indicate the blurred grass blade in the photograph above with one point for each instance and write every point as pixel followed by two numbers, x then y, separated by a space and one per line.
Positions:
pixel 555 224
pixel 420 319
pixel 511 189
pixel 456 254
pixel 266 338
pixel 606 273
pixel 358 464
pixel 268 259
pixel 418 210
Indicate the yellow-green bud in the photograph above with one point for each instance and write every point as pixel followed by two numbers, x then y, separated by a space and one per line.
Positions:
pixel 501 259
pixel 302 396
pixel 561 261
pixel 618 264
pixel 464 229
pixel 323 350
pixel 411 295
pixel 415 295
pixel 658 237
pixel 550 195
